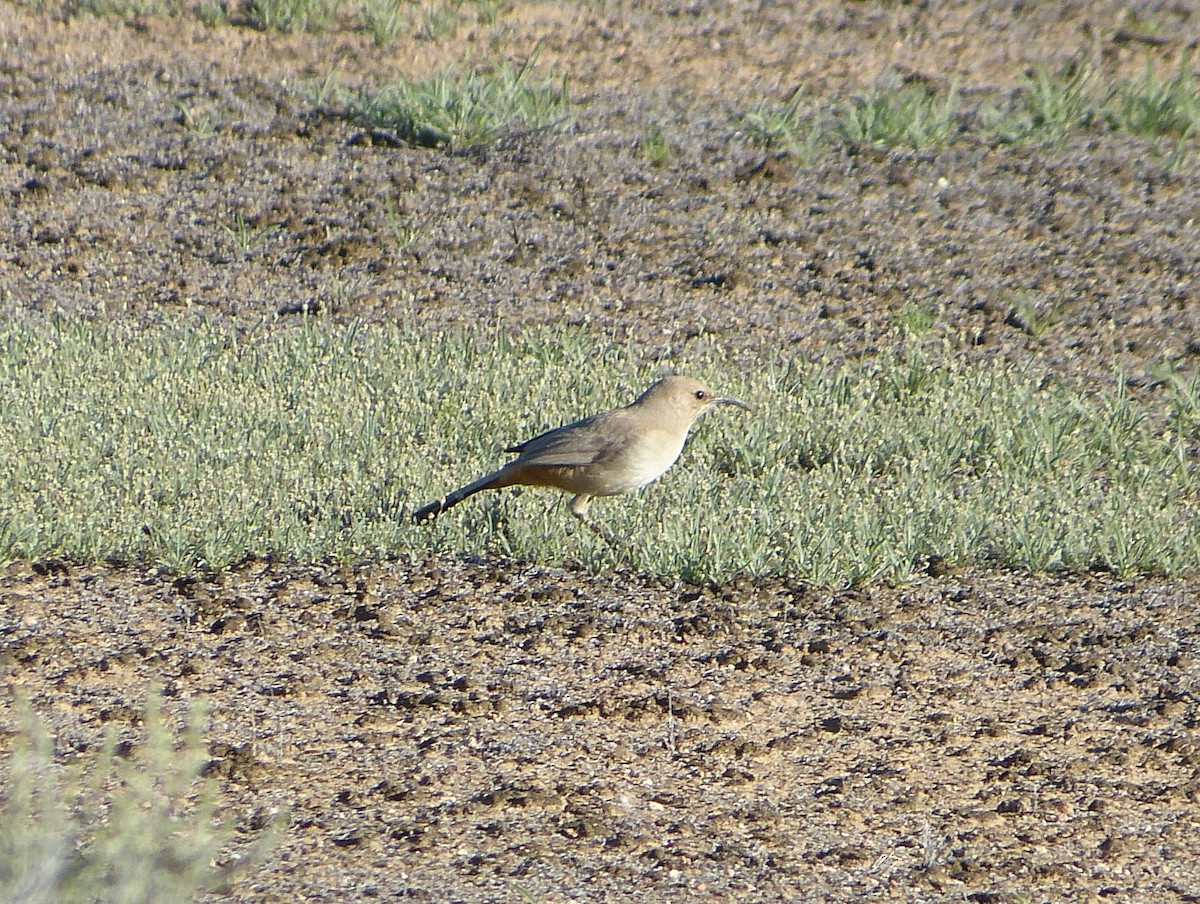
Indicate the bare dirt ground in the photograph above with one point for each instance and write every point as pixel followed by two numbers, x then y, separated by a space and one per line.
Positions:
pixel 467 730
pixel 483 730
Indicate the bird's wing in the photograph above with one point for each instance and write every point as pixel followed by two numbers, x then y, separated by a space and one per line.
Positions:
pixel 575 445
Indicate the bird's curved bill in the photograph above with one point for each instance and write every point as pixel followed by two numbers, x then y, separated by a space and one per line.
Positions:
pixel 730 400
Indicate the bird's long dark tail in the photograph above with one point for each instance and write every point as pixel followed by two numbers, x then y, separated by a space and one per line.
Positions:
pixel 495 480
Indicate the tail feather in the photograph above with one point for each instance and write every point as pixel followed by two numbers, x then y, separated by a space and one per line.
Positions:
pixel 435 508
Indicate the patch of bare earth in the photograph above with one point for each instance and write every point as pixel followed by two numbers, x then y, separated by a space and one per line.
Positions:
pixel 478 730
pixel 464 730
pixel 114 206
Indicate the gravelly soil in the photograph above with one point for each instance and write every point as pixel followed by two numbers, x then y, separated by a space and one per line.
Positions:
pixel 460 730
pixel 466 730
pixel 116 207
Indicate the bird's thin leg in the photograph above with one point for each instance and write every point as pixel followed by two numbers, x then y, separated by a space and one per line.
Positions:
pixel 579 508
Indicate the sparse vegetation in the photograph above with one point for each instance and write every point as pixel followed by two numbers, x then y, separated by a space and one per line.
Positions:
pixel 1048 104
pixel 475 107
pixel 487 12
pixel 196 119
pixel 188 446
pixel 790 127
pixel 465 108
pixel 1033 314
pixel 246 236
pixel 404 230
pixel 656 148
pixel 917 319
pixel 1153 106
pixel 906 115
pixel 1183 396
pixel 211 13
pixel 385 19
pixel 1077 96
pixel 438 19
pixel 456 108
pixel 325 90
pixel 1178 156
pixel 129 8
pixel 137 827
pixel 292 15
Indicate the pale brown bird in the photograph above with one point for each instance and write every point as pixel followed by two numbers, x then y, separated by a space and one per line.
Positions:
pixel 603 455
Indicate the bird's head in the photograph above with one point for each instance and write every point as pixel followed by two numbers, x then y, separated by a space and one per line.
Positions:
pixel 686 397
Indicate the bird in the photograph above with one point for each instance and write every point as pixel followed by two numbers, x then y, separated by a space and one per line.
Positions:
pixel 606 454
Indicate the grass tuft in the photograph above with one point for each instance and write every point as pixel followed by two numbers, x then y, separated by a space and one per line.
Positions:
pixel 465 108
pixel 656 147
pixel 384 19
pixel 1033 314
pixel 1052 103
pixel 790 127
pixel 907 115
pixel 1048 104
pixel 245 236
pixel 188 446
pixel 197 120
pixel 917 319
pixel 439 19
pixel 1153 106
pixel 292 15
pixel 404 229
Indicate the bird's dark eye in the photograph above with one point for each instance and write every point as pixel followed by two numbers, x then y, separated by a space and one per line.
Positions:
pixel 701 395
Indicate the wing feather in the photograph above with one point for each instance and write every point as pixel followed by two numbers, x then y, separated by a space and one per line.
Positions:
pixel 575 445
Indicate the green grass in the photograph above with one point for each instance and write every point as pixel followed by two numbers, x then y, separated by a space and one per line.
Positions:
pixel 916 319
pixel 186 445
pixel 292 15
pixel 656 147
pixel 464 108
pixel 896 116
pixel 1034 314
pixel 197 120
pixel 1049 104
pixel 326 90
pixel 117 827
pixel 790 127
pixel 211 13
pixel 1152 106
pixel 385 19
pixel 404 230
pixel 438 19
pixel 1183 397
pixel 245 236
